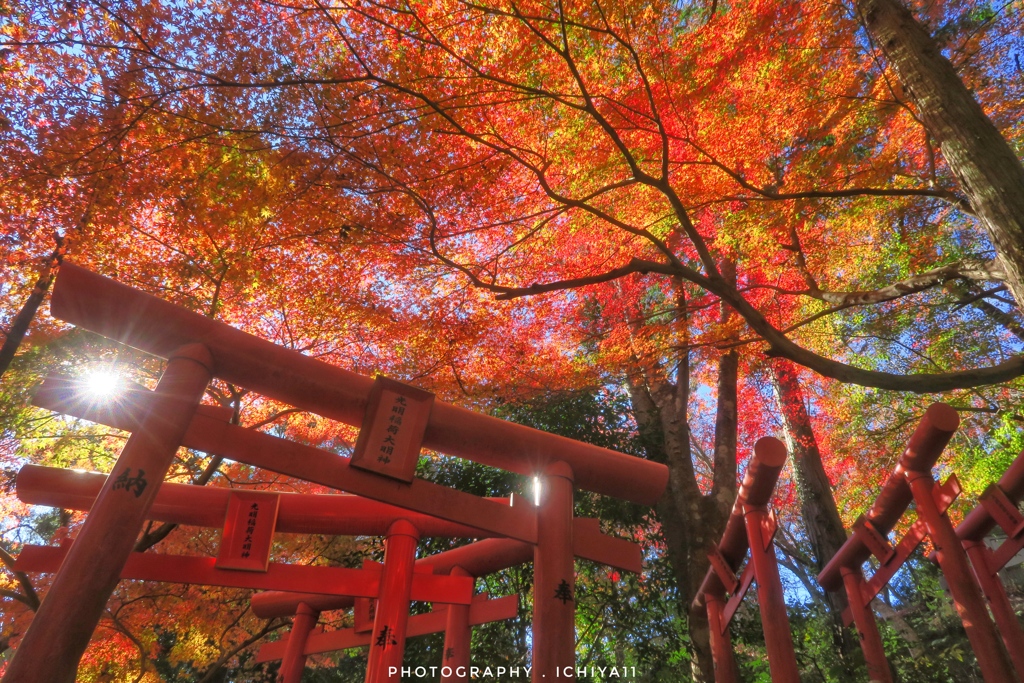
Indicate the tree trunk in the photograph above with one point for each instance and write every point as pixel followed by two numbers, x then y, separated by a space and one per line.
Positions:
pixel 19 326
pixel 713 511
pixel 686 516
pixel 817 504
pixel 724 486
pixel 972 293
pixel 989 171
pixel 689 530
pixel 691 521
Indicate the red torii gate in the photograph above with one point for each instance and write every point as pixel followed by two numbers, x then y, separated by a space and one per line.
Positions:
pixel 456 621
pixel 998 507
pixel 395 586
pixel 485 556
pixel 750 527
pixel 348 585
pixel 197 349
pixel 912 481
pixel 298 513
pixel 474 560
pixel 67 488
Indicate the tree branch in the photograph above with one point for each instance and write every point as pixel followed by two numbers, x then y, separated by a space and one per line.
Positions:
pixel 781 346
pixel 268 628
pixel 771 194
pixel 29 597
pixel 971 269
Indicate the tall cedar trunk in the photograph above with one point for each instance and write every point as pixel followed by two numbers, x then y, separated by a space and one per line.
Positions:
pixel 691 521
pixel 714 511
pixel 723 489
pixel 817 504
pixel 718 503
pixel 19 326
pixel 989 172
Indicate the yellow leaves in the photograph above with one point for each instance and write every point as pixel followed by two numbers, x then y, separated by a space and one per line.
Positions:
pixel 194 645
pixel 8 582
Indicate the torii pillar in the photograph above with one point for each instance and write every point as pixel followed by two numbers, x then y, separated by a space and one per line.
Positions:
pixel 392 616
pixel 457 637
pixel 294 661
pixel 68 615
pixel 554 579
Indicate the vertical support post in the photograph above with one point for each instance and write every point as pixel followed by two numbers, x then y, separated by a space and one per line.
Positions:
pixel 457 637
pixel 387 642
pixel 554 579
pixel 778 638
pixel 721 642
pixel 981 632
pixel 294 661
pixel 1002 610
pixel 61 629
pixel 867 627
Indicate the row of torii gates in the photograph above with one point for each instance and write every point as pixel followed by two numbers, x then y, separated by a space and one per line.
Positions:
pixel 396 421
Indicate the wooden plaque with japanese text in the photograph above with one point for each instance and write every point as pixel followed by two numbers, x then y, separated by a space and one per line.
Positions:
pixel 392 432
pixel 248 531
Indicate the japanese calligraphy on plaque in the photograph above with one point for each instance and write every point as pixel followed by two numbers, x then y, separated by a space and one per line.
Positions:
pixel 248 531
pixel 392 432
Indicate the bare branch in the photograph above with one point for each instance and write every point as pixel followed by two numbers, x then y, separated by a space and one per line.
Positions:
pixel 268 628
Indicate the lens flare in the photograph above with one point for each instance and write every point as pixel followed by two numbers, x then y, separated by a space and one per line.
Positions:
pixel 103 384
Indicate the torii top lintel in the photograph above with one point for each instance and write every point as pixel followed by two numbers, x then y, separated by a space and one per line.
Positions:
pixel 132 317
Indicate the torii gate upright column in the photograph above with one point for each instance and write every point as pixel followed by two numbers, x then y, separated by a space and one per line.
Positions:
pixel 554 578
pixel 774 619
pixel 68 615
pixel 294 661
pixel 867 627
pixel 721 641
pixel 458 635
pixel 970 605
pixel 391 620
pixel 1005 616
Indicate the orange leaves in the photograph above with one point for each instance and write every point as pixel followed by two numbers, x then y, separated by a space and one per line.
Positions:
pixel 334 179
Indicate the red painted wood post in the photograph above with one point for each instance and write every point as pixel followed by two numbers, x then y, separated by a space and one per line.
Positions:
pixel 992 659
pixel 554 579
pixel 778 638
pixel 1002 610
pixel 294 661
pixel 721 642
pixel 61 629
pixel 867 627
pixel 389 623
pixel 457 637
